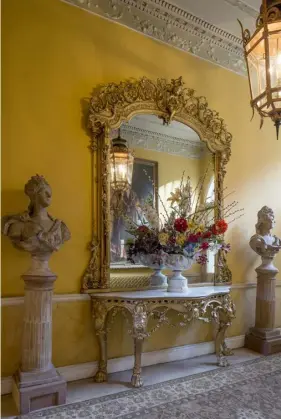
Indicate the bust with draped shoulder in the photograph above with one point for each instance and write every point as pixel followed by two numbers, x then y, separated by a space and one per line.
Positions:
pixel 264 243
pixel 35 230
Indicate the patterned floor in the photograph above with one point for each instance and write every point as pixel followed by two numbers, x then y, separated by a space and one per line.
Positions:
pixel 251 390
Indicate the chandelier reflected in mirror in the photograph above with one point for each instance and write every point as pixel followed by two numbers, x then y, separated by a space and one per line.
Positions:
pixel 121 165
pixel 263 57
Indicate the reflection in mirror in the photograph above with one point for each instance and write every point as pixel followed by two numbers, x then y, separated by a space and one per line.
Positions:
pixel 161 155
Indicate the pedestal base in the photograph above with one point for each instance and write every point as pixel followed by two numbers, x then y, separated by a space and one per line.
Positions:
pixel 33 391
pixel 177 285
pixel 264 341
pixel 158 280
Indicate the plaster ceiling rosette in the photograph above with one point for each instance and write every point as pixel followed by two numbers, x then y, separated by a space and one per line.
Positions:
pixel 207 29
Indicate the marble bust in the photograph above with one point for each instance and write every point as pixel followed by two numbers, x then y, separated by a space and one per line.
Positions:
pixel 35 230
pixel 263 242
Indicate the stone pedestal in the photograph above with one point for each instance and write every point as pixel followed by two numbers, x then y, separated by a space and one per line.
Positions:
pixel 264 338
pixel 157 279
pixel 37 384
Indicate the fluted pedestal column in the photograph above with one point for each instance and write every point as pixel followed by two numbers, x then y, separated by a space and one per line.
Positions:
pixel 37 384
pixel 264 338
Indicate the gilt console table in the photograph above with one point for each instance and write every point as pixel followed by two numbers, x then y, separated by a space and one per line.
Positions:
pixel 209 304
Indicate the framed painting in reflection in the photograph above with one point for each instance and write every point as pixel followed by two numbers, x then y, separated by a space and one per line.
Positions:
pixel 144 186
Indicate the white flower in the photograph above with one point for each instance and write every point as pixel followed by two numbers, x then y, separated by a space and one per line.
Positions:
pixel 151 215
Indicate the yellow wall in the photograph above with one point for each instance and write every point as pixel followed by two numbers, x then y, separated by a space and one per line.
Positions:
pixel 52 57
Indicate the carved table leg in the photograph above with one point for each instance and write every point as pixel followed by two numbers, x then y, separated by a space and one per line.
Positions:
pixel 226 351
pixel 219 345
pixel 139 333
pixel 136 380
pixel 101 374
pixel 100 316
pixel 225 315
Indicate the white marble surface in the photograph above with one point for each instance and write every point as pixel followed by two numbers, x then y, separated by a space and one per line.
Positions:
pixel 196 292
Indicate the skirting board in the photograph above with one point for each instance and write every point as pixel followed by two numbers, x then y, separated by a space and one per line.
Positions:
pixel 88 369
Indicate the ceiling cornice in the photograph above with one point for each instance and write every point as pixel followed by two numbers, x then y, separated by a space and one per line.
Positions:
pixel 168 23
pixel 244 7
pixel 156 141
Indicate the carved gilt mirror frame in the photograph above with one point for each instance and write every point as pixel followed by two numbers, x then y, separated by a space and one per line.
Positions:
pixel 110 106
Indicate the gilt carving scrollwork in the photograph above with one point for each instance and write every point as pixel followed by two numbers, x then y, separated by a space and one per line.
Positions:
pixel 91 275
pixel 218 309
pixel 115 103
pixel 170 98
pixel 100 313
pixel 112 103
pixel 223 273
pixel 140 319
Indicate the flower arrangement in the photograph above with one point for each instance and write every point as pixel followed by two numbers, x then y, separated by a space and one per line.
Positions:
pixel 185 228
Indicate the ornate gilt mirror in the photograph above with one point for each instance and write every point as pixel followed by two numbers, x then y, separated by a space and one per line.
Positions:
pixel 167 131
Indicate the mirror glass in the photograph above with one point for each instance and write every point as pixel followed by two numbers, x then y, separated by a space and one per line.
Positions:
pixel 162 154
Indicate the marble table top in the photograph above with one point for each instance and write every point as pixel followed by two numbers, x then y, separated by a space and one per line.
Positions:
pixel 194 292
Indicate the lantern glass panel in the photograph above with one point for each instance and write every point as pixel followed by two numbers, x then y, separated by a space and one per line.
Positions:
pixel 274 46
pixel 121 169
pixel 255 50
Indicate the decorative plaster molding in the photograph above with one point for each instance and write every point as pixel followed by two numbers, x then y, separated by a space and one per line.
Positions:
pixel 251 11
pixel 172 25
pixel 142 138
pixel 89 369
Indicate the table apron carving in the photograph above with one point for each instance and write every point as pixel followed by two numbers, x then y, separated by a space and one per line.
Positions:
pixel 218 308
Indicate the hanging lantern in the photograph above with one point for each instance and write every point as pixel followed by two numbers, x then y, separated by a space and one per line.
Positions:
pixel 263 57
pixel 121 165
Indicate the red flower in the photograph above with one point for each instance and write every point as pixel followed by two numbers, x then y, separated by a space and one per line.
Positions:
pixel 180 225
pixel 172 240
pixel 205 245
pixel 143 229
pixel 219 227
pixel 192 238
pixel 207 235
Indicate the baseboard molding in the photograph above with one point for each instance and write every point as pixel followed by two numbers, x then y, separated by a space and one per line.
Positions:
pixel 88 369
